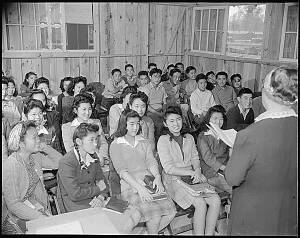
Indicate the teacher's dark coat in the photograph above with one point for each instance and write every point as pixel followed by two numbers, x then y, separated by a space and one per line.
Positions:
pixel 264 167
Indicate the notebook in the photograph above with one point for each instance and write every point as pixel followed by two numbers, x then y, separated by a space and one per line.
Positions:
pixel 117 205
pixel 148 180
pixel 198 188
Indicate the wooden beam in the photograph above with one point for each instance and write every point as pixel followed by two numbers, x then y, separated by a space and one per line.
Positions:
pixel 240 59
pixel 14 55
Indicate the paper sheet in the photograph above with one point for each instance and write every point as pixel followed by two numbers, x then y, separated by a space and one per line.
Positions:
pixel 66 228
pixel 227 136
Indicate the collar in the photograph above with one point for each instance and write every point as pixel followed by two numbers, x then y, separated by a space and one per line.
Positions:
pixel 272 115
pixel 43 130
pixel 76 123
pixel 122 140
pixel 158 86
pixel 242 111
pixel 88 158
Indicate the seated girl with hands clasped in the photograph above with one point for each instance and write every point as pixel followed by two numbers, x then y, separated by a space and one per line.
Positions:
pixel 179 157
pixel 80 177
pixel 133 158
pixel 22 175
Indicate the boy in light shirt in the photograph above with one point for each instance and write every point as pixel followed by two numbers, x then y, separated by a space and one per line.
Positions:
pixel 201 99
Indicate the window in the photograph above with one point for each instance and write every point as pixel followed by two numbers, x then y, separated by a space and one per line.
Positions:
pixel 234 30
pixel 208 29
pixel 49 26
pixel 245 30
pixel 289 42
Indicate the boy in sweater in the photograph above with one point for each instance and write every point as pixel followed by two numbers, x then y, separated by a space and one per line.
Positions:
pixel 224 94
pixel 201 99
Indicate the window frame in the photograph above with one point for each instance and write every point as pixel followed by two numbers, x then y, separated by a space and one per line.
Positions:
pixel 223 51
pixel 226 9
pixel 63 29
pixel 283 32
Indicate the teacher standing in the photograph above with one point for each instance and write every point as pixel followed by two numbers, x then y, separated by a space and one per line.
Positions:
pixel 263 164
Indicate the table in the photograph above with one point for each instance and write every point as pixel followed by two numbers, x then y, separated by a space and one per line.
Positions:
pixel 93 221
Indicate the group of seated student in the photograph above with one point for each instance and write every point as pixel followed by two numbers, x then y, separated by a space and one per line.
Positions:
pixel 148 133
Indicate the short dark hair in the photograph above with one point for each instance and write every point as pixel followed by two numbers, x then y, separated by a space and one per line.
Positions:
pixel 61 86
pixel 39 91
pixel 190 68
pixel 206 119
pixel 11 80
pixel 143 72
pixel 244 91
pixel 141 95
pixel 151 64
pixel 115 70
pixel 170 65
pixel 154 71
pixel 179 63
pixel 32 103
pixel 222 73
pixel 82 98
pixel 200 76
pixel 209 73
pixel 89 89
pixel 235 75
pixel 122 125
pixel 76 80
pixel 5 80
pixel 27 75
pixel 173 110
pixel 173 71
pixel 126 91
pixel 128 65
pixel 83 130
pixel 41 80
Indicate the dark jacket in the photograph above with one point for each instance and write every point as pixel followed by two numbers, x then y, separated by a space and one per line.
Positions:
pixel 235 119
pixel 77 187
pixel 213 154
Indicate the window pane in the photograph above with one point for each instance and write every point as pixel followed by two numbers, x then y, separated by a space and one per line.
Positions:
pixel 219 41
pixel 28 37
pixel 221 13
pixel 245 29
pixel 205 20
pixel 196 40
pixel 12 13
pixel 289 45
pixel 27 13
pixel 197 19
pixel 211 41
pixel 44 38
pixel 55 13
pixel 40 11
pixel 203 40
pixel 292 19
pixel 91 37
pixel 82 36
pixel 213 19
pixel 14 39
pixel 56 38
pixel 71 36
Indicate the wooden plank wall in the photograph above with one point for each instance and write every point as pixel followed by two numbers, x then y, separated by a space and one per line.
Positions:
pixel 139 33
pixel 252 71
pixel 125 33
